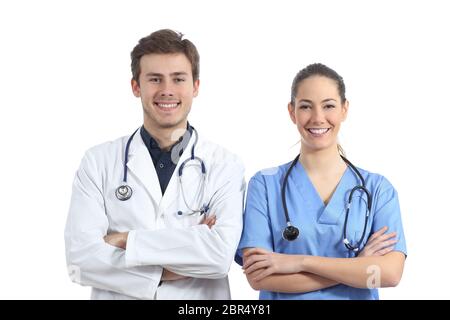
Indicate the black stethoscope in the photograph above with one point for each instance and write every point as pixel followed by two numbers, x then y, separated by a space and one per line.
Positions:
pixel 291 233
pixel 124 191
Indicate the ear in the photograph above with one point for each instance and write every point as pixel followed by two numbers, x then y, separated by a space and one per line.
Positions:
pixel 136 88
pixel 291 110
pixel 345 106
pixel 196 86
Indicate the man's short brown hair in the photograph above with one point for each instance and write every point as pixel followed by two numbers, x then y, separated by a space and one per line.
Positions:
pixel 165 41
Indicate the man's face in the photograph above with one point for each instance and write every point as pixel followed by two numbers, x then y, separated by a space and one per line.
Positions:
pixel 166 89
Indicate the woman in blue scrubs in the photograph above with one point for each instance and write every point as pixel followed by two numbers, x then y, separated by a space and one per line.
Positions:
pixel 321 263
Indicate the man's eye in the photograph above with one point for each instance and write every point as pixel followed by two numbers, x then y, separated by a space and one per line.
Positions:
pixel 179 80
pixel 154 80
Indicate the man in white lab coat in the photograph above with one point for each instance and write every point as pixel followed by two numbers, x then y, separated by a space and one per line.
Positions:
pixel 144 242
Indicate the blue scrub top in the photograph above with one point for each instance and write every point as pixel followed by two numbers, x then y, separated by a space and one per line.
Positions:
pixel 321 227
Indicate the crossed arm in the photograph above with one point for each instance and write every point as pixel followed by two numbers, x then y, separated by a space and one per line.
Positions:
pixel 376 266
pixel 119 240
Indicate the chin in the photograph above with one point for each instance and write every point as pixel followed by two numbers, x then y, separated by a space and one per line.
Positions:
pixel 319 146
pixel 170 123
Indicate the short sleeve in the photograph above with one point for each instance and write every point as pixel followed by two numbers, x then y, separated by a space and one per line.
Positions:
pixel 256 231
pixel 387 213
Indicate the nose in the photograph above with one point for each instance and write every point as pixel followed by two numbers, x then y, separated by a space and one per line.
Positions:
pixel 166 90
pixel 317 116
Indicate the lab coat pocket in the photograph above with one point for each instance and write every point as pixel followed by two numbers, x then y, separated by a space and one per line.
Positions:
pixel 185 219
pixel 193 220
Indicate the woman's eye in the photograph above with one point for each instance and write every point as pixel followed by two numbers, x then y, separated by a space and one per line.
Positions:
pixel 304 106
pixel 329 106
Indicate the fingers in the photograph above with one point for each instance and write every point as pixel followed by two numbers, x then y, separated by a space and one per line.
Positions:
pixel 171 276
pixel 256 266
pixel 209 221
pixel 252 251
pixel 379 244
pixel 110 238
pixel 381 239
pixel 252 276
pixel 379 232
pixel 379 236
pixel 384 244
pixel 252 259
pixel 384 251
pixel 387 236
pixel 212 221
pixel 265 273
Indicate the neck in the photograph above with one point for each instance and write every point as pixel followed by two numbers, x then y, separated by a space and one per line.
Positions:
pixel 166 137
pixel 322 161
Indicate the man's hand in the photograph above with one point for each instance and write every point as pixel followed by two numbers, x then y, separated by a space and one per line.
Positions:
pixel 209 220
pixel 171 276
pixel 118 239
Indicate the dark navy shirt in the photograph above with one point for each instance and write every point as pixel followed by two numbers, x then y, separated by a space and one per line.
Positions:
pixel 165 162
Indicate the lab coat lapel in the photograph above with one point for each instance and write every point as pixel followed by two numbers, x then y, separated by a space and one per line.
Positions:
pixel 141 166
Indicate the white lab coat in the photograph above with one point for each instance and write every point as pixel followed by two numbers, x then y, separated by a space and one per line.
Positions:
pixel 158 238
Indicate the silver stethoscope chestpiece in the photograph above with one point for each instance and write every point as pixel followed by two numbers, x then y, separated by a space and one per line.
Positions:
pixel 124 192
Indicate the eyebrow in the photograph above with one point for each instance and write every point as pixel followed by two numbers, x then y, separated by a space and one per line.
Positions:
pixel 325 100
pixel 173 74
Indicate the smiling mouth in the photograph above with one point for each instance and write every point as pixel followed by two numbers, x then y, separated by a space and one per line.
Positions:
pixel 167 105
pixel 318 131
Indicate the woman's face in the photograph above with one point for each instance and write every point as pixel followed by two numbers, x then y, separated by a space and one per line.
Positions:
pixel 318 112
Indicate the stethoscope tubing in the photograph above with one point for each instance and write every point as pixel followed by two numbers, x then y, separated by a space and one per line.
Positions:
pixel 124 191
pixel 291 233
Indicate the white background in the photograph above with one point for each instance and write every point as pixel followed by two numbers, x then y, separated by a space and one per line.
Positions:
pixel 64 87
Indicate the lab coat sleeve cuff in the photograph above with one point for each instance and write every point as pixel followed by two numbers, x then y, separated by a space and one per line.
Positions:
pixel 132 260
pixel 131 255
pixel 156 277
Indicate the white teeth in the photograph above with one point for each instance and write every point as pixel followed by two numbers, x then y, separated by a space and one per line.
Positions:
pixel 167 105
pixel 318 131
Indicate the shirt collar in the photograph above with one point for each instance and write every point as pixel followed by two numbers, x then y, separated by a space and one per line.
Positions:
pixel 152 144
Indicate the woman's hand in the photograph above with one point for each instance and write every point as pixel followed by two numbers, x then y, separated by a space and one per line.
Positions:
pixel 261 263
pixel 379 244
